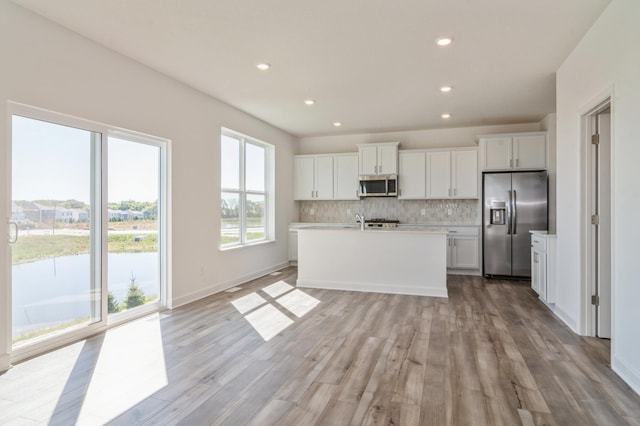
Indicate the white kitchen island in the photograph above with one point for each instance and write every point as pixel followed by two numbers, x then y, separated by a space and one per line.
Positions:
pixel 395 260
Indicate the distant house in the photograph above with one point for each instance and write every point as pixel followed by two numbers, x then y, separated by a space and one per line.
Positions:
pixel 79 215
pixel 17 213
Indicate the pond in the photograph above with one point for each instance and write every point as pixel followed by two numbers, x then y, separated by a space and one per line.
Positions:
pixel 58 290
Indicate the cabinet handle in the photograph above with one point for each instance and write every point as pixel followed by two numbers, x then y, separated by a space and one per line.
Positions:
pixel 511 163
pixel 517 162
pixel 455 192
pixel 312 193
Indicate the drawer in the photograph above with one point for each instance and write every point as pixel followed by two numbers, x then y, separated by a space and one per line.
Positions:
pixel 539 243
pixel 473 231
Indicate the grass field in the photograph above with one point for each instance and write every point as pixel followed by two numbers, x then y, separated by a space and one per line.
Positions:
pixel 30 248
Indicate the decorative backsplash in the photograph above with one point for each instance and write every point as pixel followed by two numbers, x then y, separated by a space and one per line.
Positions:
pixel 406 211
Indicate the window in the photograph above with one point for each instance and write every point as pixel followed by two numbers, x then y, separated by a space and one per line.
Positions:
pixel 246 165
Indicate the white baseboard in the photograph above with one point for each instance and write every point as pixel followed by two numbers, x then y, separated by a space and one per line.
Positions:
pixel 629 374
pixel 566 318
pixel 472 272
pixel 439 291
pixel 197 295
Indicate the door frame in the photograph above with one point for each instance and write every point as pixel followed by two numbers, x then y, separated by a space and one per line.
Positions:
pixel 587 284
pixel 99 183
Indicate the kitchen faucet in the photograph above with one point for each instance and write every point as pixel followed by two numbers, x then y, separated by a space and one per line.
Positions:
pixel 360 220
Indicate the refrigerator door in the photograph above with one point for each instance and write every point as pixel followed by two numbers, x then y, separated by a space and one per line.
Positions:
pixel 530 213
pixel 496 223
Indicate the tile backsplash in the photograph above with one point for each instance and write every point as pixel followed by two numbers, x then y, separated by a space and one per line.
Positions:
pixel 406 211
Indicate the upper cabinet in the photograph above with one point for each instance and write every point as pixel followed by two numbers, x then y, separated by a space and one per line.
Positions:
pixel 452 174
pixel 313 177
pixel 345 177
pixel 325 177
pixel 514 151
pixel 438 174
pixel 378 158
pixel 412 181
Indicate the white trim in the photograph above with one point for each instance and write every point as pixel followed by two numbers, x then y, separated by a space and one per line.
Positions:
pixel 217 288
pixel 564 317
pixel 389 288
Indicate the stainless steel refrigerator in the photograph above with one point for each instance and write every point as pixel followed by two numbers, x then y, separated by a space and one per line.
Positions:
pixel 513 204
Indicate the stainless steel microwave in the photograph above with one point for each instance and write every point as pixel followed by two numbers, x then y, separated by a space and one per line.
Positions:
pixel 378 186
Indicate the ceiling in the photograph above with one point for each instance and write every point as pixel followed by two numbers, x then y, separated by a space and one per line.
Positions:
pixel 371 64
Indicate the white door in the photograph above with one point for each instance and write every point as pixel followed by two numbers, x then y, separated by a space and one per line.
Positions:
pixel 464 174
pixel 324 178
pixel 388 160
pixel 530 152
pixel 303 188
pixel 412 175
pixel 346 177
pixel 439 174
pixel 368 160
pixel 497 153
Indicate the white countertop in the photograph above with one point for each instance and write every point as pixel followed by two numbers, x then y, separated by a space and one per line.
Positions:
pixel 298 225
pixel 396 230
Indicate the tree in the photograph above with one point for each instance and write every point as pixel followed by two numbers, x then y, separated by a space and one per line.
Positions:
pixel 113 305
pixel 135 296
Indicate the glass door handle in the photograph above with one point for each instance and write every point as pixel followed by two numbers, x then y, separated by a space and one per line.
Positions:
pixel 14 239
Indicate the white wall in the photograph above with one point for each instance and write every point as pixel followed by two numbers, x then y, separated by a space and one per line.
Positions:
pixel 409 139
pixel 49 67
pixel 606 59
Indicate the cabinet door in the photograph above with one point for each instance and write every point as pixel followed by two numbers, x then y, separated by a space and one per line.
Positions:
pixel 439 174
pixel 530 152
pixel 497 153
pixel 346 177
pixel 465 252
pixel 324 178
pixel 303 171
pixel 368 160
pixel 412 178
pixel 464 174
pixel 388 160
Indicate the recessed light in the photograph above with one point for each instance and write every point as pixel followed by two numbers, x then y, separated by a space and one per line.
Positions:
pixel 337 123
pixel 309 102
pixel 263 66
pixel 443 41
pixel 446 115
pixel 446 89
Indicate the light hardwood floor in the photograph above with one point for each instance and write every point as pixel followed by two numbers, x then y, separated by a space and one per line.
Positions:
pixel 491 354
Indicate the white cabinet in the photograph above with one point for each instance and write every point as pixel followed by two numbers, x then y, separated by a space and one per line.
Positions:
pixel 463 248
pixel 452 174
pixel 378 158
pixel 515 151
pixel 313 177
pixel 412 175
pixel 543 266
pixel 345 179
pixel 293 245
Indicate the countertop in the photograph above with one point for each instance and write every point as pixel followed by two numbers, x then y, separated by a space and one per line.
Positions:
pixel 297 225
pixel 396 230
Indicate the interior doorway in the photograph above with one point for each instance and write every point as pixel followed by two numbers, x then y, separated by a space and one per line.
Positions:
pixel 599 219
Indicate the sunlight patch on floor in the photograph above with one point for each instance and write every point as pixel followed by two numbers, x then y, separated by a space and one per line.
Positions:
pixel 298 302
pixel 130 368
pixel 249 302
pixel 276 289
pixel 268 321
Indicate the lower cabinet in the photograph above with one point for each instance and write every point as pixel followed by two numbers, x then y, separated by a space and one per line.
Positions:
pixel 543 266
pixel 463 249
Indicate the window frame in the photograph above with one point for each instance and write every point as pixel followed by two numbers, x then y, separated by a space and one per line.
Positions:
pixel 243 192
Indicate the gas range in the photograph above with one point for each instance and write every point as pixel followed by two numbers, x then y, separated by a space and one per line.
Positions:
pixel 381 223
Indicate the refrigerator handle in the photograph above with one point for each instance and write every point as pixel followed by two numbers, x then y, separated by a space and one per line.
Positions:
pixel 514 221
pixel 509 213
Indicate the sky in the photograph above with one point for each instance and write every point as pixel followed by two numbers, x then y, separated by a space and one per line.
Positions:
pixel 51 161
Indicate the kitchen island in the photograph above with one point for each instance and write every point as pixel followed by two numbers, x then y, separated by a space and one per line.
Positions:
pixel 394 260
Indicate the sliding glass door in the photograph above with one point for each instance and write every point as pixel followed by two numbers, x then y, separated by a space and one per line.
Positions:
pixel 55 259
pixel 87 220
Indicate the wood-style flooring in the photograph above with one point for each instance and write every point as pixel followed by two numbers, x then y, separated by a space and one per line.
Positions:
pixel 270 354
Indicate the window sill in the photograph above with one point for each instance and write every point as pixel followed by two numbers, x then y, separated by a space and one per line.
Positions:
pixel 241 246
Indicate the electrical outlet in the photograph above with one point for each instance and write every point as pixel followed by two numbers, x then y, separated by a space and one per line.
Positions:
pixel 423 212
pixel 449 212
pixel 312 212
